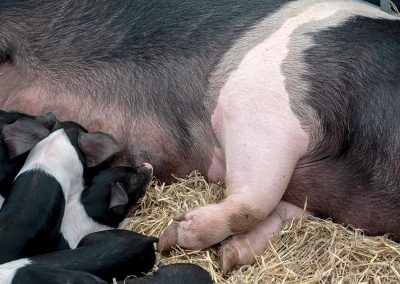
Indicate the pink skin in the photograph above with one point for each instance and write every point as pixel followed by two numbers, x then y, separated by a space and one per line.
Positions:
pixel 252 193
pixel 241 249
pixel 148 166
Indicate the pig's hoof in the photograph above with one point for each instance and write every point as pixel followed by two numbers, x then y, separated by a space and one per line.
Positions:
pixel 197 229
pixel 229 256
pixel 168 238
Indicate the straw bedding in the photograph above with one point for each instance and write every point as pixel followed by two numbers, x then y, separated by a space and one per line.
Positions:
pixel 308 250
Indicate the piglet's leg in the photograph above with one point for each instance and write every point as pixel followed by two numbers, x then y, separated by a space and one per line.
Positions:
pixel 241 249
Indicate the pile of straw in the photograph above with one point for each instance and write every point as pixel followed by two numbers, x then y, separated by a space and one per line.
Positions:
pixel 308 250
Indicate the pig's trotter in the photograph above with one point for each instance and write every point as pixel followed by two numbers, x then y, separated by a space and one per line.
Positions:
pixel 229 256
pixel 197 229
pixel 242 249
pixel 211 224
pixel 168 238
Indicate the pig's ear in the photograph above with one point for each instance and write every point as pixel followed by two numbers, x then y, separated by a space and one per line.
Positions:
pixel 97 147
pixel 22 135
pixel 119 199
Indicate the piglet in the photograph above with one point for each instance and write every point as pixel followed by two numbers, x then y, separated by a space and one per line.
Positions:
pixel 103 204
pixel 31 216
pixel 178 273
pixel 10 163
pixel 107 254
pixel 22 272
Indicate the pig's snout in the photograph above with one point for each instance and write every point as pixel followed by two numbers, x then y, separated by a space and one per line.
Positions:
pixel 138 180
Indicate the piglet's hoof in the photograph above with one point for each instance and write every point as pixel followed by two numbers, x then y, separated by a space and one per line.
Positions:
pixel 229 257
pixel 168 238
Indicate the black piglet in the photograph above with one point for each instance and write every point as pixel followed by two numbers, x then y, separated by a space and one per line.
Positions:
pixel 107 255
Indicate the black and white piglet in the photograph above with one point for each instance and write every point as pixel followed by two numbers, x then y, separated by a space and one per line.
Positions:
pixel 10 163
pixel 31 216
pixel 43 274
pixel 107 255
pixel 104 204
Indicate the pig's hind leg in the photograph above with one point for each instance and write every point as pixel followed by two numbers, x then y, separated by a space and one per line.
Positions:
pixel 262 142
pixel 241 249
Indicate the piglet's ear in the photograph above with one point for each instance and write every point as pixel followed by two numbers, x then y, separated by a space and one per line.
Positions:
pixel 21 136
pixel 97 147
pixel 119 199
pixel 48 120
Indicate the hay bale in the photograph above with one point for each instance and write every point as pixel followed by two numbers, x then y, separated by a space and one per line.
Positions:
pixel 308 250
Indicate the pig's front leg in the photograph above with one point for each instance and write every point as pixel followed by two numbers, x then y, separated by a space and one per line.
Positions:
pixel 241 249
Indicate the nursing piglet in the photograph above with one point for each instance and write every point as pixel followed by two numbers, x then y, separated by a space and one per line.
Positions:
pixel 31 216
pixel 107 254
pixel 104 204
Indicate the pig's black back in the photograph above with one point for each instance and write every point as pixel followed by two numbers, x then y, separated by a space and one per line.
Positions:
pixel 84 33
pixel 31 216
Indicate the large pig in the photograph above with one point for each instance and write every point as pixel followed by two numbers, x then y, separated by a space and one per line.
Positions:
pixel 285 101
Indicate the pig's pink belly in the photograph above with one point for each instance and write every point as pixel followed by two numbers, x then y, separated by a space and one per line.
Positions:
pixel 216 171
pixel 142 139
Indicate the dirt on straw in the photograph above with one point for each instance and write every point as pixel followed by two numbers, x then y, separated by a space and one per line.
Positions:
pixel 308 249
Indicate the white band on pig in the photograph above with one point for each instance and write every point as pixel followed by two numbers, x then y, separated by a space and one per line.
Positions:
pixel 1 201
pixel 56 156
pixel 9 269
pixel 76 223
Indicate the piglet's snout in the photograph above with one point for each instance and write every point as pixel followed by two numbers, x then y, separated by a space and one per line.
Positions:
pixel 146 168
pixel 143 175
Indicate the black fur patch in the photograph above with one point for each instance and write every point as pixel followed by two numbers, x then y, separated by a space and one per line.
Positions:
pixel 31 216
pixel 353 175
